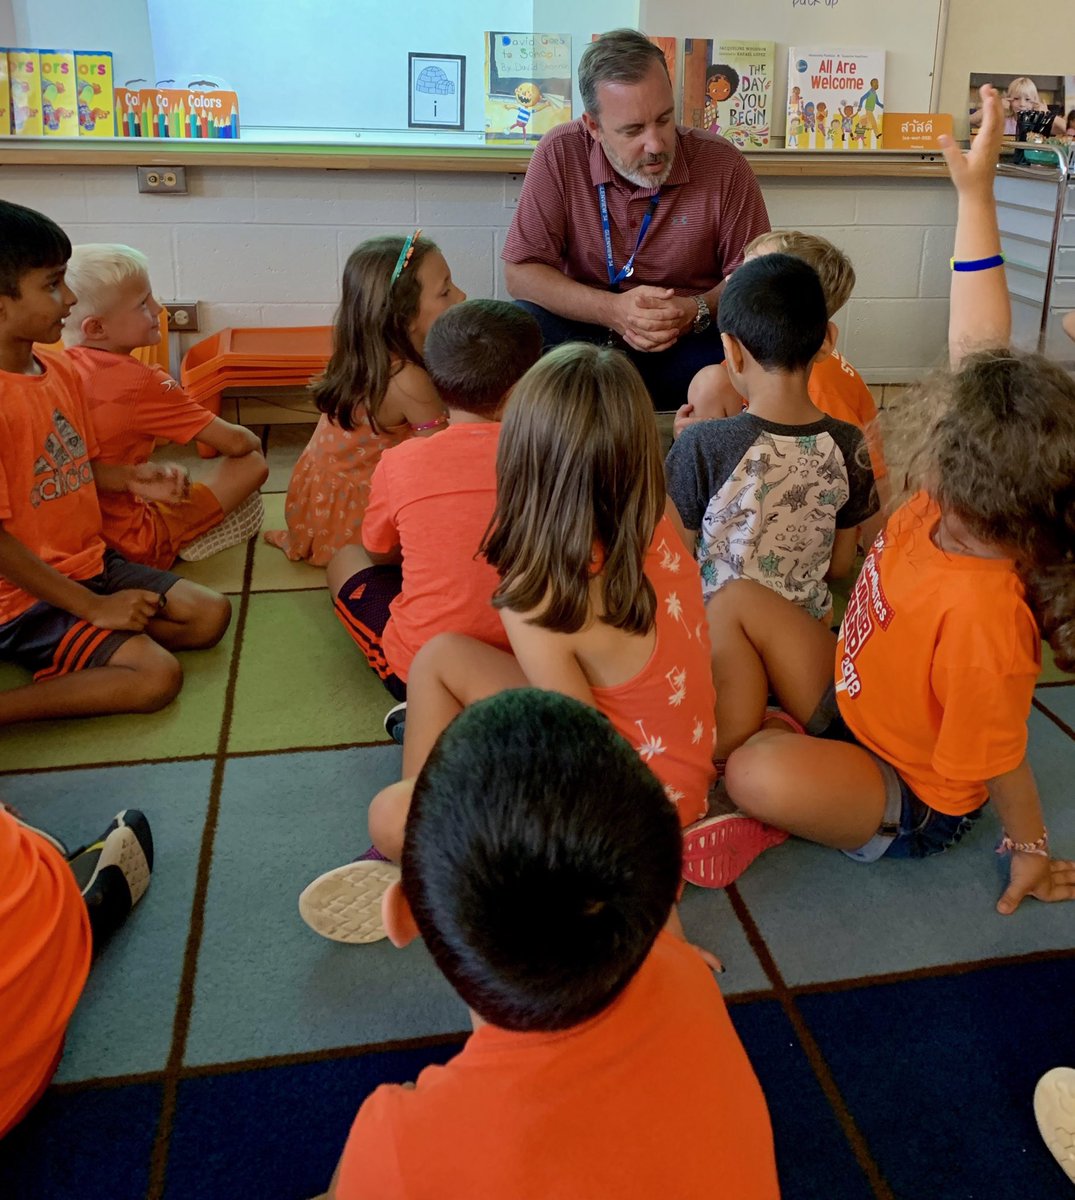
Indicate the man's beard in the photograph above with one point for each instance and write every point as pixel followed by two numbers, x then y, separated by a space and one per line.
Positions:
pixel 634 174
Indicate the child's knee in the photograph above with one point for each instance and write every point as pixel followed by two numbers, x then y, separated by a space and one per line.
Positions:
pixel 207 619
pixel 256 469
pixel 750 774
pixel 388 817
pixel 156 680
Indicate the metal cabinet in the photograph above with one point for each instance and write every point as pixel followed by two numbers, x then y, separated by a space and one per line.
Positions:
pixel 1036 212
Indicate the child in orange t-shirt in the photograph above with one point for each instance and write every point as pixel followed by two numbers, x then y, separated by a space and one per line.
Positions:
pixel 68 603
pixel 54 916
pixel 834 386
pixel 374 393
pixel 132 405
pixel 418 572
pixel 540 863
pixel 924 717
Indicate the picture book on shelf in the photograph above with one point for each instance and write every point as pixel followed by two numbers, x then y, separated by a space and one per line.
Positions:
pixel 24 80
pixel 527 85
pixel 96 103
pixel 728 89
pixel 59 87
pixel 835 99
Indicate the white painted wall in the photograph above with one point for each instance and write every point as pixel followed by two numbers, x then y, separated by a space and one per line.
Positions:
pixel 266 247
pixel 121 26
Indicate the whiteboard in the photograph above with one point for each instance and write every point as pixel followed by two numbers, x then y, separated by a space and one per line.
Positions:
pixel 911 32
pixel 342 65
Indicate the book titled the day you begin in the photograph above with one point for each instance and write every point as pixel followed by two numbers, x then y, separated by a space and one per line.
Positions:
pixel 734 96
pixel 835 99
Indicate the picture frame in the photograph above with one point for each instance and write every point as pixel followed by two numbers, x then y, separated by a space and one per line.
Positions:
pixel 436 90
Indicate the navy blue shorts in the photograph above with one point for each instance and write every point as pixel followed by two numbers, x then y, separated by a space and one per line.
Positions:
pixel 51 642
pixel 364 606
pixel 909 827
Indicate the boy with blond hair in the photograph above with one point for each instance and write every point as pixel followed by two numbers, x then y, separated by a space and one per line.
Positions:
pixel 96 629
pixel 132 405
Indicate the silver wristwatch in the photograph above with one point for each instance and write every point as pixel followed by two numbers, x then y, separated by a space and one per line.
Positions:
pixel 703 319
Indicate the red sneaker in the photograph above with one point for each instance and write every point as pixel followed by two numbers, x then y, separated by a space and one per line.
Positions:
pixel 717 850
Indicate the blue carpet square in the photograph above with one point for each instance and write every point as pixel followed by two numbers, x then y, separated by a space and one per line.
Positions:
pixel 1061 701
pixel 123 1023
pixel 268 985
pixel 825 917
pixel 813 1157
pixel 93 1144
pixel 939 1075
pixel 277 1132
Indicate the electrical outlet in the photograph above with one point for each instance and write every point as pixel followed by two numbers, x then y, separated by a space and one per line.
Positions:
pixel 182 316
pixel 170 181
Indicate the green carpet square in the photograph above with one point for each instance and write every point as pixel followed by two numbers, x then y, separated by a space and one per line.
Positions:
pixel 190 725
pixel 222 572
pixel 273 570
pixel 302 681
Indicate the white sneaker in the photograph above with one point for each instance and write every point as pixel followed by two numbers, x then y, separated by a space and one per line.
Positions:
pixel 344 905
pixel 1054 1108
pixel 239 525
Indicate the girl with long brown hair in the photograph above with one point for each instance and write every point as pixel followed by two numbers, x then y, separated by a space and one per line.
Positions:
pixel 374 393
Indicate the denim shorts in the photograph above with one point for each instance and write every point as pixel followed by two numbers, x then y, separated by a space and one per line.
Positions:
pixel 909 827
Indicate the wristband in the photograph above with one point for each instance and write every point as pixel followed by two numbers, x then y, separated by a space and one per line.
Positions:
pixel 1040 847
pixel 978 264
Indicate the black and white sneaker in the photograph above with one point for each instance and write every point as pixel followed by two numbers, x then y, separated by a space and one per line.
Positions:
pixel 395 722
pixel 113 872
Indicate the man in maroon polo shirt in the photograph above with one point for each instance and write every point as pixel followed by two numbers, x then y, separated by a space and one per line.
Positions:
pixel 628 224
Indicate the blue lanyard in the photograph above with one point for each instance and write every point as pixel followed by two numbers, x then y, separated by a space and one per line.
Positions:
pixel 627 270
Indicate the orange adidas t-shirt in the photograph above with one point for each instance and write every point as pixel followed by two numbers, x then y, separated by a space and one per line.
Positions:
pixel 434 497
pixel 666 710
pixel 44 961
pixel 653 1097
pixel 936 663
pixel 48 500
pixel 132 405
pixel 839 390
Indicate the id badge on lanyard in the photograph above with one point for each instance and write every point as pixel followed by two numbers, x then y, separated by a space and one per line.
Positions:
pixel 615 278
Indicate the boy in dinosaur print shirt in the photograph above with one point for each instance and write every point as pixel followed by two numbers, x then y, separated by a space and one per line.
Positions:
pixel 776 493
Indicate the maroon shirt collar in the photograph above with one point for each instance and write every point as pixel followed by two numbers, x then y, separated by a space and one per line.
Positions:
pixel 601 169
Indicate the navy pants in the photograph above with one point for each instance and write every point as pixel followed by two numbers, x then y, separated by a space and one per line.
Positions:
pixel 666 373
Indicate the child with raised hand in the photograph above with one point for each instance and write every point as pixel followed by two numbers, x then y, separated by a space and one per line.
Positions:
pixel 418 572
pixel 374 393
pixel 540 864
pixel 95 629
pixel 599 598
pixel 132 405
pixel 924 717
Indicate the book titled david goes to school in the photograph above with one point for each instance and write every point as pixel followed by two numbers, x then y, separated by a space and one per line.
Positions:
pixel 835 99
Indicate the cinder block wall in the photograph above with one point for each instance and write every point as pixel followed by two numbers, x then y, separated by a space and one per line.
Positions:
pixel 266 246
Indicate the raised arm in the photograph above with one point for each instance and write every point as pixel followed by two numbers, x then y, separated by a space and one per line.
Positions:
pixel 980 309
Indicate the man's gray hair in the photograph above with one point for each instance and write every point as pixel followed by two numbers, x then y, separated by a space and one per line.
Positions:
pixel 622 56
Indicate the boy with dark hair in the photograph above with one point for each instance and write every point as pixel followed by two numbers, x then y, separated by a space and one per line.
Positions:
pixel 67 603
pixel 417 573
pixel 834 384
pixel 540 863
pixel 776 493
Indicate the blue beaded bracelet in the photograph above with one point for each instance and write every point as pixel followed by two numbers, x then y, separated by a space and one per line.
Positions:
pixel 978 264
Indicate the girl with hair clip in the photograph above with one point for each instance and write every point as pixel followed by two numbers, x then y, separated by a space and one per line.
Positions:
pixel 924 717
pixel 600 599
pixel 374 393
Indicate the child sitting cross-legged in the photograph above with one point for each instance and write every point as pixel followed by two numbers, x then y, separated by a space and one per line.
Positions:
pixel 540 863
pixel 600 600
pixel 418 572
pixel 776 493
pixel 834 386
pixel 95 628
pixel 132 405
pixel 919 711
